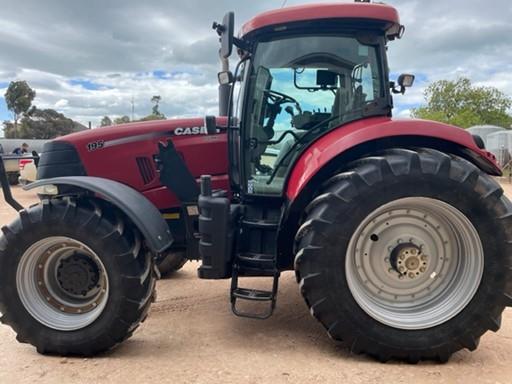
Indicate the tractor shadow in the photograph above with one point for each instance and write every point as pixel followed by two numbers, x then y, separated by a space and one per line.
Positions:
pixel 290 327
pixel 201 308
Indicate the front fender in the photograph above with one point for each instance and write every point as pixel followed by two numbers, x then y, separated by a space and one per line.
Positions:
pixel 144 215
pixel 352 135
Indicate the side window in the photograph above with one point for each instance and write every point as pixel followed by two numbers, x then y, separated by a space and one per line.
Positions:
pixel 367 83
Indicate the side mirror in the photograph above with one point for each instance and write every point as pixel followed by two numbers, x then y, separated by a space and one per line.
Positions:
pixel 210 122
pixel 226 31
pixel 226 78
pixel 404 81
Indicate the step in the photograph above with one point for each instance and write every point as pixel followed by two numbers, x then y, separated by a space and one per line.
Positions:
pixel 255 272
pixel 260 224
pixel 252 294
pixel 256 260
pixel 257 295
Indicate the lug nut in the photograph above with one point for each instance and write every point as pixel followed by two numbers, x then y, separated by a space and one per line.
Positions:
pixel 401 269
pixel 422 269
pixel 411 275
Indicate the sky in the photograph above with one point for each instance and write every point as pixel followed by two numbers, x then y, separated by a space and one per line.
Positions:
pixel 88 59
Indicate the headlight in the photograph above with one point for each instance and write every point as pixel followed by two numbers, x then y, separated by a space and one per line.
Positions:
pixel 49 189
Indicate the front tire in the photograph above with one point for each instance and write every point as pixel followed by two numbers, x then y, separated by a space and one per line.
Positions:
pixel 75 278
pixel 172 262
pixel 407 255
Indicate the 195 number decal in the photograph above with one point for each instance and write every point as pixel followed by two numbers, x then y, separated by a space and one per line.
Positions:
pixel 95 145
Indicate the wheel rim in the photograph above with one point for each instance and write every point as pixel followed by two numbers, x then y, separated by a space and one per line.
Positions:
pixel 62 283
pixel 414 263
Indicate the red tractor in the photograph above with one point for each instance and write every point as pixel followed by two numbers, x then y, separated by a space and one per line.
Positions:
pixel 398 234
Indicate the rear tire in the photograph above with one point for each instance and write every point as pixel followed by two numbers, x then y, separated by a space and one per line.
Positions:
pixel 171 263
pixel 337 263
pixel 75 278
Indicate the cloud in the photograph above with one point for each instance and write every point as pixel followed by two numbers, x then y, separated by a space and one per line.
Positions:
pixel 89 59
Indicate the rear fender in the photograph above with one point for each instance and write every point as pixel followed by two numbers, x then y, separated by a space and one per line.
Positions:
pixel 333 151
pixel 143 214
pixel 379 133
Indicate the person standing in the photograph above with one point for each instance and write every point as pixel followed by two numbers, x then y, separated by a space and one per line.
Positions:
pixel 21 150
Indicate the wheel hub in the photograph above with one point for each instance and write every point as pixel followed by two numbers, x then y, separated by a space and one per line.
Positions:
pixel 78 274
pixel 408 260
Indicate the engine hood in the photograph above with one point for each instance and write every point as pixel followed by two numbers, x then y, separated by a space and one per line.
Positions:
pixel 189 126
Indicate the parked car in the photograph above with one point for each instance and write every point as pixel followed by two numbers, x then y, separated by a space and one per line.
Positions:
pixel 28 171
pixel 11 164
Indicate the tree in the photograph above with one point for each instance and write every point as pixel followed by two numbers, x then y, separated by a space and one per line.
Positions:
pixel 106 121
pixel 44 124
pixel 160 116
pixel 156 101
pixel 122 120
pixel 461 103
pixel 9 129
pixel 19 97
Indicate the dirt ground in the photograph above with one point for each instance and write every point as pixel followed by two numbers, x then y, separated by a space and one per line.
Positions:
pixel 192 337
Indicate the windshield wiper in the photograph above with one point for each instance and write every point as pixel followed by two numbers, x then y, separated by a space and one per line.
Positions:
pixel 297 143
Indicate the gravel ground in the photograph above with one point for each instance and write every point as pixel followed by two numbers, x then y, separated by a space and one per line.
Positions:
pixel 192 337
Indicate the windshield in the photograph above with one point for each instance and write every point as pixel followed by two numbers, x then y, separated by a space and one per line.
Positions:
pixel 298 88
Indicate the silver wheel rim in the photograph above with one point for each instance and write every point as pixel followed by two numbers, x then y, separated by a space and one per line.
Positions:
pixel 45 281
pixel 414 263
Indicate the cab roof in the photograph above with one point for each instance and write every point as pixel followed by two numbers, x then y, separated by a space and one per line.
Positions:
pixel 312 12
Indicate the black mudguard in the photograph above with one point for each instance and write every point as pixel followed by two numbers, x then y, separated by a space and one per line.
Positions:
pixel 144 215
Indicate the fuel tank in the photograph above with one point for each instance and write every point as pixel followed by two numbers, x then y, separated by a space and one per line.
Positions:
pixel 127 153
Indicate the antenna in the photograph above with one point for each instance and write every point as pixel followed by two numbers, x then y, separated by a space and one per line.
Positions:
pixel 284 3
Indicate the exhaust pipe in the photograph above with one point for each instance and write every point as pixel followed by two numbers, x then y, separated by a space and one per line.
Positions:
pixel 224 89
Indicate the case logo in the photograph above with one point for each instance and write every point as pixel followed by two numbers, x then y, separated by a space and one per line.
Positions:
pixel 190 131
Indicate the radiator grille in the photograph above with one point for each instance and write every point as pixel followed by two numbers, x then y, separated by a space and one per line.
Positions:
pixel 146 169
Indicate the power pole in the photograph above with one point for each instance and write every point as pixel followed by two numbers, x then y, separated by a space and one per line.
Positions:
pixel 133 108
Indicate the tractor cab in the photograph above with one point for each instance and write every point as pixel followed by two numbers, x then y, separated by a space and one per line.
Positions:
pixel 302 72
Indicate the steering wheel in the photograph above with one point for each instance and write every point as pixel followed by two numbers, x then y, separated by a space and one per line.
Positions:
pixel 279 98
